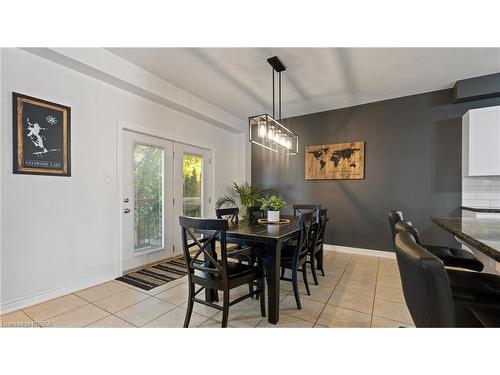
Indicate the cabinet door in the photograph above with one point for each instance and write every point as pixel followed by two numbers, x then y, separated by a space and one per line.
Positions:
pixel 484 142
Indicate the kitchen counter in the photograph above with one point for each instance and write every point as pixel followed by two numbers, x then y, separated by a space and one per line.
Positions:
pixel 481 209
pixel 480 230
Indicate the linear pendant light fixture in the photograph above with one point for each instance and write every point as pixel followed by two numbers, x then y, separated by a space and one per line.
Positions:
pixel 269 133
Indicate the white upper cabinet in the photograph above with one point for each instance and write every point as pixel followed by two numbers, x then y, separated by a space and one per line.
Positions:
pixel 481 142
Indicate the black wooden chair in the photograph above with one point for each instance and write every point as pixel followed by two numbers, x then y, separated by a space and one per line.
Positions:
pixel 315 254
pixel 254 213
pixel 212 273
pixel 240 253
pixel 451 257
pixel 294 256
pixel 301 208
pixel 230 214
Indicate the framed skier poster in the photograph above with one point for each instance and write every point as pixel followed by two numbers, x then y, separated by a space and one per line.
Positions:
pixel 41 136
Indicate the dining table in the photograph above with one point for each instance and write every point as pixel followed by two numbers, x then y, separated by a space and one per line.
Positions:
pixel 269 238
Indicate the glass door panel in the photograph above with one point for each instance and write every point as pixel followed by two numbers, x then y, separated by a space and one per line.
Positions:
pixel 148 197
pixel 192 171
pixel 192 185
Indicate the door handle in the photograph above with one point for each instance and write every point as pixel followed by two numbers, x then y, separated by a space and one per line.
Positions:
pixel 126 210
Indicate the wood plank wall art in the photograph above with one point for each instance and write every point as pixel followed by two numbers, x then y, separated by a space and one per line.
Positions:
pixel 336 161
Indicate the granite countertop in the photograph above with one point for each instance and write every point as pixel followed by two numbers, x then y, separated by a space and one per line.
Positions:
pixel 482 233
pixel 481 209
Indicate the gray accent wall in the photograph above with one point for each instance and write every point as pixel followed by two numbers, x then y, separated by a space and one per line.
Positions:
pixel 413 163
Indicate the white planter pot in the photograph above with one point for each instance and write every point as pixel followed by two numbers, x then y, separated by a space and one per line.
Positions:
pixel 273 215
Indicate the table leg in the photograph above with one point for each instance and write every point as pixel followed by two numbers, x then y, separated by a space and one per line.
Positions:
pixel 273 260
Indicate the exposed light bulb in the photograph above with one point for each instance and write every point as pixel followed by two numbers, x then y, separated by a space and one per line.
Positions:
pixel 278 137
pixel 270 133
pixel 262 129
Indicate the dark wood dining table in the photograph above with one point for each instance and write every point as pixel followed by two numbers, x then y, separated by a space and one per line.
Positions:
pixel 270 238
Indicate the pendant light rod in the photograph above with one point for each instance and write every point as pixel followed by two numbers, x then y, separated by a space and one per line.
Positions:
pixel 278 67
pixel 267 132
pixel 273 93
pixel 279 96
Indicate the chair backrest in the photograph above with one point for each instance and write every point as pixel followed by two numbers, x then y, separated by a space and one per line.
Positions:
pixel 395 216
pixel 255 213
pixel 407 226
pixel 300 208
pixel 320 228
pixel 305 223
pixel 426 286
pixel 216 229
pixel 230 214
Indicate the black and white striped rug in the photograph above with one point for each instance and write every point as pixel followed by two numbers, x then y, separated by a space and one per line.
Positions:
pixel 153 276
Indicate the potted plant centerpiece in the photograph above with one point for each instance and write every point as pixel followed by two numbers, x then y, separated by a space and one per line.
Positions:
pixel 242 196
pixel 273 205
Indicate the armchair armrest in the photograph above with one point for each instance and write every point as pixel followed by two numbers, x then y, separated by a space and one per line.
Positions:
pixel 475 288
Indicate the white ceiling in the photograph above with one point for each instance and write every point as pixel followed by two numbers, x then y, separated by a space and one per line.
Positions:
pixel 238 80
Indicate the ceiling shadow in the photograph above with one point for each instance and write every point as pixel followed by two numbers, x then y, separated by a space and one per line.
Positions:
pixel 217 68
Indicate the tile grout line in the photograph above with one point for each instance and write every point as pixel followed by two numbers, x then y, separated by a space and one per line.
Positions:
pixel 74 294
pixel 159 299
pixel 55 316
pixel 87 303
pixel 326 303
pixel 375 294
pixel 148 296
pixel 145 299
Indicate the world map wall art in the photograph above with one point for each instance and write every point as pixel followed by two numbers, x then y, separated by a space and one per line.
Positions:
pixel 337 161
pixel 41 136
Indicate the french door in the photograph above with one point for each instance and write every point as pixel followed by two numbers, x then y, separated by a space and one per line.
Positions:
pixel 161 180
pixel 192 185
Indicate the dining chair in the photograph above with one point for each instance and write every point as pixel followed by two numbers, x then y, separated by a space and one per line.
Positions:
pixel 440 297
pixel 231 214
pixel 241 254
pixel 208 272
pixel 313 207
pixel 255 213
pixel 294 256
pixel 315 254
pixel 451 256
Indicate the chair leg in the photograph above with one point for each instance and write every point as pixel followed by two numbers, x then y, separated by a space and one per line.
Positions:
pixel 250 290
pixel 251 261
pixel 262 296
pixel 225 308
pixel 320 261
pixel 190 304
pixel 304 274
pixel 296 288
pixel 282 272
pixel 313 269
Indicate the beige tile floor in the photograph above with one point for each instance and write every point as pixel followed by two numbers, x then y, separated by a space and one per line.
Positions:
pixel 357 291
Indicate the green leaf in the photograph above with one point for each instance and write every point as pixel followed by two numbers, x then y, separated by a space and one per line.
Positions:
pixel 273 203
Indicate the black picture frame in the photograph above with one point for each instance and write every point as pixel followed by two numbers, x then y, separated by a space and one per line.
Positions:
pixel 41 137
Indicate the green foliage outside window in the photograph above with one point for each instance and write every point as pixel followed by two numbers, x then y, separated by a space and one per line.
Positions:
pixel 192 172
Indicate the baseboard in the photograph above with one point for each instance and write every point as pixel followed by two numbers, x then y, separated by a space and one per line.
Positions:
pixel 357 250
pixel 20 303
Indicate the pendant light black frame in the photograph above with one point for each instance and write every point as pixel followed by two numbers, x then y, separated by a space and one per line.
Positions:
pixel 267 132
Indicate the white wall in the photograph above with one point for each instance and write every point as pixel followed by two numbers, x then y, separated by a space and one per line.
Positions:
pixel 59 233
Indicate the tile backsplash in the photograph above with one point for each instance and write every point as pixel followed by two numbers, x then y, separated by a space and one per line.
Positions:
pixel 481 191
